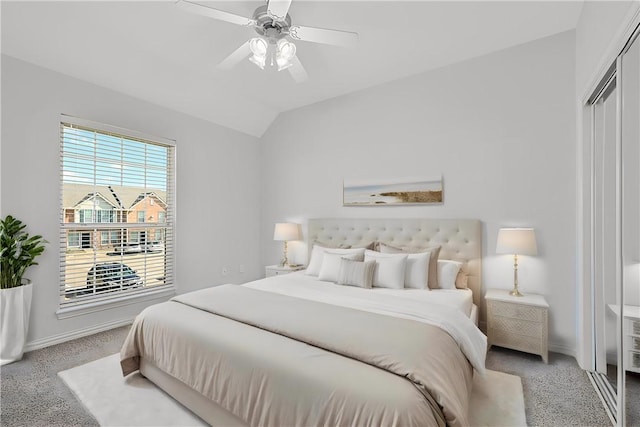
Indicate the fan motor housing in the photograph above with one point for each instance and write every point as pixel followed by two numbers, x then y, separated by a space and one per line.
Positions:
pixel 269 28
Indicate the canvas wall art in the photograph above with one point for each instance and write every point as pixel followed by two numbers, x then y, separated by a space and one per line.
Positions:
pixel 406 191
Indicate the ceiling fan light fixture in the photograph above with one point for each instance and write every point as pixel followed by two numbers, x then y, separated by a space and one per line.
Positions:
pixel 286 50
pixel 273 24
pixel 258 46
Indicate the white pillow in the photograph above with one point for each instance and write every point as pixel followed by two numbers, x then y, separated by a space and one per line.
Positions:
pixel 447 273
pixel 331 265
pixel 356 273
pixel 390 269
pixel 317 253
pixel 433 264
pixel 417 271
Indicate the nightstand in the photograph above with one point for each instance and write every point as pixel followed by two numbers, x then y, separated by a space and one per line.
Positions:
pixel 519 323
pixel 277 270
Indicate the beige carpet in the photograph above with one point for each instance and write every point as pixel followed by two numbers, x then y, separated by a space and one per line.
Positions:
pixel 497 399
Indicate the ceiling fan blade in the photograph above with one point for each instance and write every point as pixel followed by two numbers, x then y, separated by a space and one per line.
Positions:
pixel 215 13
pixel 278 9
pixel 297 71
pixel 238 55
pixel 322 35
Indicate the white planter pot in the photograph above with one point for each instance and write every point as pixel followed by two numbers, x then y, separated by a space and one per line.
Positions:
pixel 15 307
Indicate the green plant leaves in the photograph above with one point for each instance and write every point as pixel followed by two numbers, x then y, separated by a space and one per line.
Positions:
pixel 18 251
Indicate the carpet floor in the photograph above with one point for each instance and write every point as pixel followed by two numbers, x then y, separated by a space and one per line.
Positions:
pixel 32 394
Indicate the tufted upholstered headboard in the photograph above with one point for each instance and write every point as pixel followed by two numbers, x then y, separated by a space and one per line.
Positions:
pixel 460 239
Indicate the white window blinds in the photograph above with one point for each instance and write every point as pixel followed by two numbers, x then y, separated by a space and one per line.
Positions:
pixel 117 213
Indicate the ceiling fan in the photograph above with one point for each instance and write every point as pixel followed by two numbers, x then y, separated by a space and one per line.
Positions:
pixel 272 46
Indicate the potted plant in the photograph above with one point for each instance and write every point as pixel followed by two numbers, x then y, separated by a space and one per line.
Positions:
pixel 18 252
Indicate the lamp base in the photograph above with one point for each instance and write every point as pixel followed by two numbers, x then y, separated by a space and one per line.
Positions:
pixel 516 293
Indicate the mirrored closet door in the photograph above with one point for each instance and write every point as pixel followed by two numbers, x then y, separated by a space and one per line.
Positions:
pixel 605 290
pixel 629 65
pixel 615 243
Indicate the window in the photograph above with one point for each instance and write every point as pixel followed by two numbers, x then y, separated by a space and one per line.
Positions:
pixel 114 237
pixel 86 215
pixel 109 237
pixel 106 216
pixel 162 217
pixel 134 237
pixel 73 239
pixel 107 174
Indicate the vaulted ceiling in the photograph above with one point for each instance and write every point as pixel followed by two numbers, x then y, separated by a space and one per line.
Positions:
pixel 158 52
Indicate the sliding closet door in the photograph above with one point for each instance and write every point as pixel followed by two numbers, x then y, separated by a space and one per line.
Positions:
pixel 605 292
pixel 630 212
pixel 615 238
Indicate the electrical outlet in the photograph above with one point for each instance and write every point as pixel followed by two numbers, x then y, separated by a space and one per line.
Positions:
pixel 241 268
pixel 225 271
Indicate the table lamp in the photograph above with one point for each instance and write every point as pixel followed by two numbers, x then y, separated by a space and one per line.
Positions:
pixel 516 241
pixel 286 231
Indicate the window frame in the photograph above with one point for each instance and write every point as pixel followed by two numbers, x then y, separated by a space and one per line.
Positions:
pixel 77 234
pixel 119 298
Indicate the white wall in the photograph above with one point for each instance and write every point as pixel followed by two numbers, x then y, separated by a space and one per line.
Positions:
pixel 501 130
pixel 218 170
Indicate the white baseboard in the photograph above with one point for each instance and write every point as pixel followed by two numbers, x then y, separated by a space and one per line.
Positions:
pixel 562 349
pixel 68 336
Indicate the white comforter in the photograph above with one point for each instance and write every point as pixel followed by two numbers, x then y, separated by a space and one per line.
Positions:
pixel 471 340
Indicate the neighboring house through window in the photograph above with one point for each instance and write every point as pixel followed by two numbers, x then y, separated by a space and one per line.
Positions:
pixel 117 189
pixel 73 239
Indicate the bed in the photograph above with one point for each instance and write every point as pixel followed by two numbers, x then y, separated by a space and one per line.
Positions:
pixel 296 350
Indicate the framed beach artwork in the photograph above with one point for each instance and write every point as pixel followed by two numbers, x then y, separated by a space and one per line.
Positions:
pixel 392 192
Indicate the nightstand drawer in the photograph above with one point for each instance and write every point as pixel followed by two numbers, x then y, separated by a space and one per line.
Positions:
pixel 517 311
pixel 277 272
pixel 634 327
pixel 516 326
pixel 516 341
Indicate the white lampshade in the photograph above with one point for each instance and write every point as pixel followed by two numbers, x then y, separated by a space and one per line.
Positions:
pixel 287 231
pixel 516 241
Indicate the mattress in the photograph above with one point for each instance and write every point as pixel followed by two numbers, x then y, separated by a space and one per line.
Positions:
pixel 301 285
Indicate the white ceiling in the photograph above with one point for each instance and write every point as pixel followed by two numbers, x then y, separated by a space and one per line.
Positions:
pixel 163 54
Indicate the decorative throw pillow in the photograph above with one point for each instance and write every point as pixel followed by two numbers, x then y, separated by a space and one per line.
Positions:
pixel 356 273
pixel 447 273
pixel 390 269
pixel 331 265
pixel 416 275
pixel 317 253
pixel 462 279
pixel 433 260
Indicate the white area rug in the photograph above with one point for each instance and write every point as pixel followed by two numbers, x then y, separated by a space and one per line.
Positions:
pixel 497 399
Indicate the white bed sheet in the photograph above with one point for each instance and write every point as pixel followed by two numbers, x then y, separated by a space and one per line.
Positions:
pixel 459 299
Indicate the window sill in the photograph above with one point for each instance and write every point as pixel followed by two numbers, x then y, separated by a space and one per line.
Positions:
pixel 92 307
